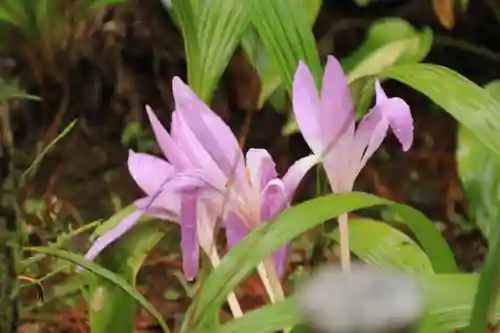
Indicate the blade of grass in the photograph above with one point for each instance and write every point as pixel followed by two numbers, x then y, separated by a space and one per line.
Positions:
pixel 105 274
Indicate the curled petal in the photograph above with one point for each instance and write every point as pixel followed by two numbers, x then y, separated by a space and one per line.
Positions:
pixel 397 111
pixel 148 171
pixel 296 172
pixel 189 240
pixel 274 200
pixel 167 145
pixel 307 107
pixel 211 131
pixel 111 236
pixel 261 167
pixel 368 138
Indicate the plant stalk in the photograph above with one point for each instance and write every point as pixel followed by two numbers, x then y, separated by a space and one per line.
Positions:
pixel 345 254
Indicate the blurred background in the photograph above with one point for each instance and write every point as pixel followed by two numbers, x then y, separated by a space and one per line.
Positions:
pixel 104 65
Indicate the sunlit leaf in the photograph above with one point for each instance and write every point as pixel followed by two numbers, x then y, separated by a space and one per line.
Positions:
pixel 239 262
pixel 105 274
pixel 383 246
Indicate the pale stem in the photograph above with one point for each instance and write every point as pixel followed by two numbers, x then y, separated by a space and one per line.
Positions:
pixel 345 254
pixel 234 305
pixel 271 282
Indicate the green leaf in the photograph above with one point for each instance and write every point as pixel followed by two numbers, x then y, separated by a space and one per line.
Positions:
pixel 111 308
pixel 470 104
pixel 264 241
pixel 447 310
pixel 479 172
pixel 487 291
pixel 267 319
pixel 283 27
pixel 383 246
pixel 269 72
pixel 211 32
pixel 390 41
pixel 105 274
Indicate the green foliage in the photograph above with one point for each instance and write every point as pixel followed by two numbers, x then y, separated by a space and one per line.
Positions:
pixel 111 308
pixel 266 66
pixel 487 291
pixel 479 172
pixel 287 41
pixel 102 272
pixel 211 31
pixel 383 246
pixel 238 263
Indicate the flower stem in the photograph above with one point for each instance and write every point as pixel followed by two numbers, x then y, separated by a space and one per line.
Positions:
pixel 272 283
pixel 345 254
pixel 234 305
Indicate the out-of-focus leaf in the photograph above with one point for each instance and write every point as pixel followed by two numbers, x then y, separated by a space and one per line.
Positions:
pixel 264 241
pixel 479 171
pixel 390 41
pixel 106 274
pixel 444 12
pixel 487 290
pixel 283 27
pixel 93 4
pixel 268 70
pixel 468 103
pixel 383 246
pixel 10 90
pixel 111 308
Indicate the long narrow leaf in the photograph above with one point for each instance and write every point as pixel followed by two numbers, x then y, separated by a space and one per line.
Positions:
pixel 239 262
pixel 105 274
pixel 487 291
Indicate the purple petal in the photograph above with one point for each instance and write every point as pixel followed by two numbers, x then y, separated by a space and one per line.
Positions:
pixel 211 131
pixel 236 229
pixel 165 207
pixel 189 240
pixel 261 167
pixel 307 107
pixel 109 237
pixel 398 113
pixel 279 260
pixel 148 171
pixel 274 200
pixel 296 172
pixel 337 106
pixel 167 145
pixel 194 150
pixel 368 138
